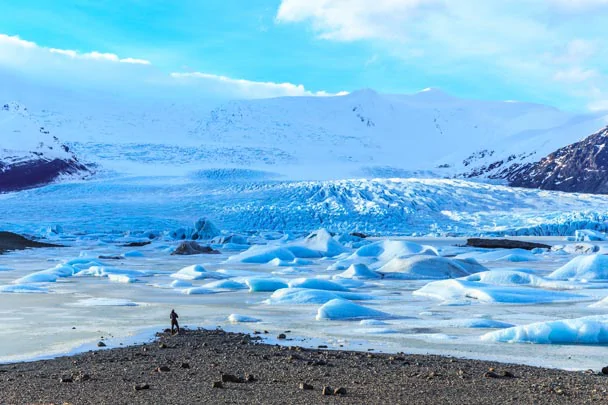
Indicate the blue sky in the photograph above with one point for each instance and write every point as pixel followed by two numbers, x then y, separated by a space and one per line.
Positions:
pixel 548 51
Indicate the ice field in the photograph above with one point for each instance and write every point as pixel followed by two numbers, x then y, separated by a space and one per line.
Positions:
pixel 424 294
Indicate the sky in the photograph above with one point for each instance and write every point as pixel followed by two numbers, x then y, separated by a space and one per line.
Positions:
pixel 546 51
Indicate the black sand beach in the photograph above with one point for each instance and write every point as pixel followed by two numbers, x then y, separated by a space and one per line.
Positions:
pixel 183 369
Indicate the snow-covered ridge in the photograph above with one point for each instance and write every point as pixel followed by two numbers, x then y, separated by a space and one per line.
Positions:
pixel 29 154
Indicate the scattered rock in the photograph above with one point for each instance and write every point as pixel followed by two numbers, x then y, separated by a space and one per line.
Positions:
pixel 107 257
pixel 217 384
pixel 504 244
pixel 136 244
pixel 340 391
pixel 282 336
pixel 193 248
pixel 139 387
pixel 327 390
pixel 101 344
pixel 306 387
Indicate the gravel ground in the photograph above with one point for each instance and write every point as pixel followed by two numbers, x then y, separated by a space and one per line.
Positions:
pixel 183 369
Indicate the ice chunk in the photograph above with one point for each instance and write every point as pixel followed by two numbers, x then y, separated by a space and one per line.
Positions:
pixel 372 322
pixel 47 276
pixel 133 253
pixel 316 284
pixel 265 284
pixel 517 278
pixel 198 291
pixel 309 296
pixel 322 243
pixel 194 272
pixel 428 267
pixel 105 302
pixel 583 268
pixel 358 271
pixel 23 288
pixel 586 330
pixel 459 290
pixel 180 284
pixel 341 309
pixel 204 229
pixel 225 285
pixel 296 262
pixel 262 254
pixel 236 318
pixel 507 255
pixel 379 253
pixel 585 235
pixel 121 278
pixel 230 239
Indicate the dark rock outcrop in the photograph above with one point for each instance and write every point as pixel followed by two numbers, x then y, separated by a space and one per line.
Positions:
pixel 504 244
pixel 579 167
pixel 12 241
pixel 35 173
pixel 193 248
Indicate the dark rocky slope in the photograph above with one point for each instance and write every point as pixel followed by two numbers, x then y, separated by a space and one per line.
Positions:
pixel 29 155
pixel 579 167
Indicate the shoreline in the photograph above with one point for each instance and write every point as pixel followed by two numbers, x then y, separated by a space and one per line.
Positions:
pixel 184 368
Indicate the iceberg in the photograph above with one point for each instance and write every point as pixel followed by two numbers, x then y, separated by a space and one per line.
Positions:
pixel 341 309
pixel 586 330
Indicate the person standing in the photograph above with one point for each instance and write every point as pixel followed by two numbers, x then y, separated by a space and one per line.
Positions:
pixel 174 323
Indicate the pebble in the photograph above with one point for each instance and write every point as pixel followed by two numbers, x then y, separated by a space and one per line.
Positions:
pixel 231 378
pixel 306 387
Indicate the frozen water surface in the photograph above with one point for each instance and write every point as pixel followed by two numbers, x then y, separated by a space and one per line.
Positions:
pixel 273 274
pixel 75 312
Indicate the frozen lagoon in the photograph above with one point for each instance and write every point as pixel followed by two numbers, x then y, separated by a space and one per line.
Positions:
pixel 127 305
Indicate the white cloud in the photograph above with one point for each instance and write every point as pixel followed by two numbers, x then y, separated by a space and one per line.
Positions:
pixel 575 75
pixel 108 72
pixel 354 19
pixel 545 48
pixel 243 88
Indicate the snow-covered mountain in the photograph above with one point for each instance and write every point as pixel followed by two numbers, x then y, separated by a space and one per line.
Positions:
pixel 30 155
pixel 373 134
pixel 362 134
pixel 580 167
